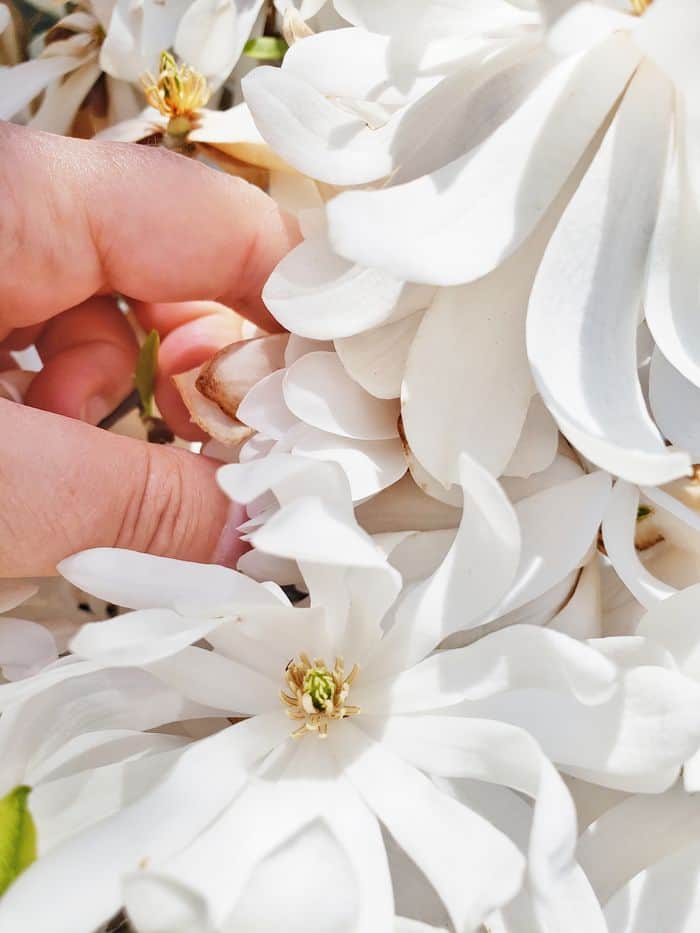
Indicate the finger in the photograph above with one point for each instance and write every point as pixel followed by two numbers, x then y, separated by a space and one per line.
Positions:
pixel 89 355
pixel 184 348
pixel 82 216
pixel 21 338
pixel 166 316
pixel 91 488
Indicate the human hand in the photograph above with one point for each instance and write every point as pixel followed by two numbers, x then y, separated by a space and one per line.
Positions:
pixel 80 221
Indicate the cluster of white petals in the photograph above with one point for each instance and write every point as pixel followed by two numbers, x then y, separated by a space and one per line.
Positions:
pixel 453 684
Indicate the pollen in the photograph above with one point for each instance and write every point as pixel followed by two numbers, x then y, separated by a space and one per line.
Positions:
pixel 178 93
pixel 317 694
pixel 639 6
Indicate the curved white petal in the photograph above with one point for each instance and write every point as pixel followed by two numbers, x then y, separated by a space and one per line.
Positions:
pixel 319 391
pixel 619 530
pixel 518 657
pixel 537 444
pixel 63 98
pixel 446 840
pixel 636 833
pixel 25 647
pixel 674 402
pixel 672 299
pixel 495 752
pixel 581 617
pixel 143 829
pixel 433 16
pixel 406 507
pixel 462 220
pixel 265 409
pixel 211 35
pixel 143 581
pixel 456 396
pixel 558 526
pixel 584 309
pixel 675 624
pixel 478 569
pixel 370 466
pixel 636 740
pixel 667 893
pixel 141 637
pixel 376 359
pixel 316 293
pixel 14 592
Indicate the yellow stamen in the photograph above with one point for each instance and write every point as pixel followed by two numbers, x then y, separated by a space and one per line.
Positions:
pixel 317 694
pixel 178 93
pixel 639 6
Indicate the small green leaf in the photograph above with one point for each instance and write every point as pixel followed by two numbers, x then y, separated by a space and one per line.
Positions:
pixel 17 836
pixel 145 375
pixel 266 48
pixel 643 511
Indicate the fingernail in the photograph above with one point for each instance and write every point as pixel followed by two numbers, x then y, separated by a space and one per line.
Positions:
pixel 95 409
pixel 229 546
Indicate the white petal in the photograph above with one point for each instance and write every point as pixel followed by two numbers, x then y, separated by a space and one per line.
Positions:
pixel 669 34
pixel 319 391
pixel 62 99
pixel 522 656
pixel 143 581
pixel 404 506
pixel 313 134
pixel 458 223
pixel 455 397
pixel 636 833
pixel 234 132
pixel 673 623
pixel 214 680
pixel 584 308
pixel 445 840
pixel 143 829
pixel 264 407
pixel 619 529
pixel 673 289
pixel 674 401
pixel 581 617
pixel 537 444
pixel 433 15
pixel 14 592
pixel 316 293
pixel 377 358
pixel 637 740
pixel 25 647
pixel 498 753
pixel 477 570
pixel 558 527
pixel 370 466
pixel 211 35
pixel 21 83
pixel 665 893
pixel 138 638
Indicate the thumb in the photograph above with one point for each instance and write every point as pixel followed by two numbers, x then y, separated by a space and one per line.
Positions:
pixel 66 486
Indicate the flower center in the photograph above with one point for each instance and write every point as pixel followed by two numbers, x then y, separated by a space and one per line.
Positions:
pixel 639 6
pixel 178 92
pixel 317 694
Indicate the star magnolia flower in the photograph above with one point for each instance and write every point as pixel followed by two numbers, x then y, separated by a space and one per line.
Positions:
pixel 309 808
pixel 179 119
pixel 536 102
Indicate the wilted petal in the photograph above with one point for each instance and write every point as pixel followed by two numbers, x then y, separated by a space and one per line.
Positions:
pixel 233 371
pixel 208 415
pixel 20 84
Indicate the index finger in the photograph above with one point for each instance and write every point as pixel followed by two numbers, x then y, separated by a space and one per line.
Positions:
pixel 80 217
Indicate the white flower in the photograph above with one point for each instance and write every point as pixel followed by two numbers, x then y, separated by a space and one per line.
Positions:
pixel 529 109
pixel 253 782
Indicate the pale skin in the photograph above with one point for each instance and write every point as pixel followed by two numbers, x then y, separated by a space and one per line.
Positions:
pixel 80 221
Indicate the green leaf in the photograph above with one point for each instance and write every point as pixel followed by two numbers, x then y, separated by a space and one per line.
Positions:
pixel 266 48
pixel 145 375
pixel 17 836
